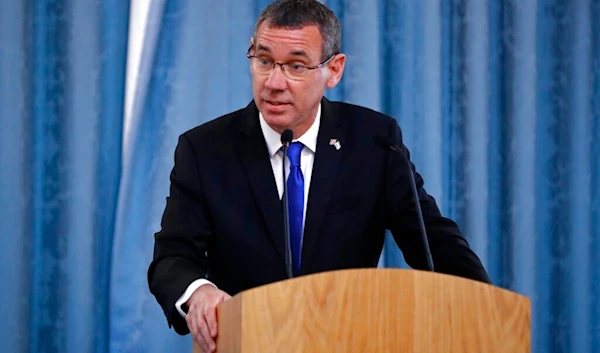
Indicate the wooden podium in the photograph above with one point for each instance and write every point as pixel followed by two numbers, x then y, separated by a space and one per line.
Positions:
pixel 375 310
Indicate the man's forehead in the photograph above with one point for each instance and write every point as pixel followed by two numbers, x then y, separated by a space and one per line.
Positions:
pixel 295 51
pixel 298 42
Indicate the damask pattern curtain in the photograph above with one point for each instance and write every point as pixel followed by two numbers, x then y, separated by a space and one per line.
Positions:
pixel 499 104
pixel 62 83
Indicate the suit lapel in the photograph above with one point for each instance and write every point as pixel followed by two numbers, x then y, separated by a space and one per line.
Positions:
pixel 325 168
pixel 252 149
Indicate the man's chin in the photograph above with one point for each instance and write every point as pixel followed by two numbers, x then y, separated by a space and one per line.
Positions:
pixel 278 122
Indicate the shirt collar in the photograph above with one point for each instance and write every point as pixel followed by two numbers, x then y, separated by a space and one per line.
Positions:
pixel 273 138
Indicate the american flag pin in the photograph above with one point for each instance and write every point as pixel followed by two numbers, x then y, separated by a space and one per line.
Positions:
pixel 335 143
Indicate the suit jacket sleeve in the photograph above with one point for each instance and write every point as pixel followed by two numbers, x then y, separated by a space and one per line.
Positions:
pixel 181 244
pixel 450 252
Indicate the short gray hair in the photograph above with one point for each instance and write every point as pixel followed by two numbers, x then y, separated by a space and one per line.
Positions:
pixel 296 14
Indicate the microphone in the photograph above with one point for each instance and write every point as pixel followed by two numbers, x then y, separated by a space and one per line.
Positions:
pixel 286 138
pixel 388 144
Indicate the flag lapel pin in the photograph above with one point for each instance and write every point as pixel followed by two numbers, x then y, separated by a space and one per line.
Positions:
pixel 335 143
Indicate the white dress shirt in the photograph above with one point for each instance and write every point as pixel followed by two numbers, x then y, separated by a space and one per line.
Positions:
pixel 273 140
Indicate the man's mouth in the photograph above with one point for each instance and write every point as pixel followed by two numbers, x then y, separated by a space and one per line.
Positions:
pixel 276 103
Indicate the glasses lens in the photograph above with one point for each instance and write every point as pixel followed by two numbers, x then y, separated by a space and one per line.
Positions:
pixel 262 65
pixel 295 71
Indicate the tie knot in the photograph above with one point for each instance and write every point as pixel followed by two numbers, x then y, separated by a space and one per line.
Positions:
pixel 294 153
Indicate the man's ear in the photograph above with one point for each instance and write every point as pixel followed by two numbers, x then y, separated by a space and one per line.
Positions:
pixel 336 70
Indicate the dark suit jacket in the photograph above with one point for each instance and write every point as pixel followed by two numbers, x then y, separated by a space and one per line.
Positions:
pixel 224 220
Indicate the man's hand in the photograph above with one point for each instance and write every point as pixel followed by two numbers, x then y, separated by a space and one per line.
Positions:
pixel 202 315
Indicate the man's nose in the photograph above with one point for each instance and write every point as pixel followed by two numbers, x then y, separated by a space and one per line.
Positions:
pixel 276 80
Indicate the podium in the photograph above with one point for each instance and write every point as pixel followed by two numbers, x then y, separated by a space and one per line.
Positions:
pixel 375 310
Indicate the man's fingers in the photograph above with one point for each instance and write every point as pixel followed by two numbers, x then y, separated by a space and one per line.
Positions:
pixel 210 313
pixel 192 321
pixel 200 341
pixel 206 336
pixel 202 316
pixel 199 329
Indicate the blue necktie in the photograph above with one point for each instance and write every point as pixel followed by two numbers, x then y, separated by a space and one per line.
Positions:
pixel 295 189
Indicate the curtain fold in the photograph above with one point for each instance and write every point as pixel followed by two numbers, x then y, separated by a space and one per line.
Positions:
pixel 63 70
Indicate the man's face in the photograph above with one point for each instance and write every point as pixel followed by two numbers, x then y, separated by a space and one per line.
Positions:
pixel 292 103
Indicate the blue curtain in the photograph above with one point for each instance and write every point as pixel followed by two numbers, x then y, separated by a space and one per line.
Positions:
pixel 62 72
pixel 499 102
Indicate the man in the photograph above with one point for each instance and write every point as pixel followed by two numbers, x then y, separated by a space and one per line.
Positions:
pixel 222 229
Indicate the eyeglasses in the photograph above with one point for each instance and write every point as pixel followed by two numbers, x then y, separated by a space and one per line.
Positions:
pixel 293 71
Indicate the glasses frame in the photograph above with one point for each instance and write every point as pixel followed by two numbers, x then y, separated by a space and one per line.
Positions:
pixel 309 68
